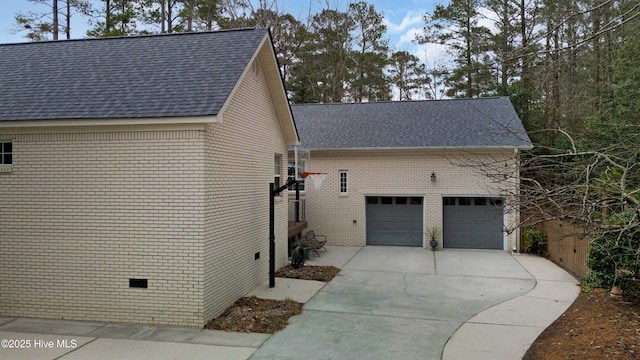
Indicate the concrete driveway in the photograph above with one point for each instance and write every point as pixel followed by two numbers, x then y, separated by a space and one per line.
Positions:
pixel 387 303
pixel 398 303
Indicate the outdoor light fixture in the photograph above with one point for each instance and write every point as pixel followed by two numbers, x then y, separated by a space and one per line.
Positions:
pixel 433 177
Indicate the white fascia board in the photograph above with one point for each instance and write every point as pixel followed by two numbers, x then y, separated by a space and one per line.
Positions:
pixel 210 119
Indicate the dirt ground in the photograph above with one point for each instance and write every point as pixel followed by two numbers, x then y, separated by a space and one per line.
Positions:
pixel 596 326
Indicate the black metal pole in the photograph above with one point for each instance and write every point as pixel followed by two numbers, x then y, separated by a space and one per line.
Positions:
pixel 297 201
pixel 272 237
pixel 273 192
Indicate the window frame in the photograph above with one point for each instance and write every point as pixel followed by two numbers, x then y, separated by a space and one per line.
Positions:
pixel 343 182
pixel 291 164
pixel 277 171
pixel 4 153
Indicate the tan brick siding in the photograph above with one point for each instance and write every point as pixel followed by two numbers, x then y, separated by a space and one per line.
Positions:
pixel 240 165
pixel 342 217
pixel 82 213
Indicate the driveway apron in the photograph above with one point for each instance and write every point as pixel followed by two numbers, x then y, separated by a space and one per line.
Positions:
pixel 397 302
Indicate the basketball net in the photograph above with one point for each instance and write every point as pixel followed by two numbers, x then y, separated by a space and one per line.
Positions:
pixel 317 178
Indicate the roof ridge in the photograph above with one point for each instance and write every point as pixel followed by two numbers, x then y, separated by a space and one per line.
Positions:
pixel 137 36
pixel 470 123
pixel 405 101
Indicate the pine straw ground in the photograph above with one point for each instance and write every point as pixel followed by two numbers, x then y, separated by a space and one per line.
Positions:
pixel 251 314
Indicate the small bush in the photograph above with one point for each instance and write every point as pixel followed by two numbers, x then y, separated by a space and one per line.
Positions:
pixel 533 240
pixel 591 282
pixel 615 250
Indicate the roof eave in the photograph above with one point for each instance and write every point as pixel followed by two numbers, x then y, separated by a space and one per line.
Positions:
pixel 208 119
pixel 506 147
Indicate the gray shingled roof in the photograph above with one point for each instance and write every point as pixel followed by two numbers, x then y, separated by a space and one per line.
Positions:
pixel 128 77
pixel 482 123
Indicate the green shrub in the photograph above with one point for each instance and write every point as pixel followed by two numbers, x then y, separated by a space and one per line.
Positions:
pixel 590 282
pixel 533 239
pixel 614 251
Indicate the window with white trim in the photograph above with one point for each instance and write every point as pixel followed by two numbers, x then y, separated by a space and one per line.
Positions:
pixel 291 173
pixel 277 161
pixel 344 188
pixel 6 153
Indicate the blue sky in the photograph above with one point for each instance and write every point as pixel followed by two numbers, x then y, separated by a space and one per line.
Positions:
pixel 402 17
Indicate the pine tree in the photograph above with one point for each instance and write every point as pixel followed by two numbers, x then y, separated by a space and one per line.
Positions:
pixel 42 24
pixel 407 74
pixel 368 81
pixel 457 25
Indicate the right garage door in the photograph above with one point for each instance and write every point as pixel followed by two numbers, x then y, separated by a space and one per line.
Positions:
pixel 473 223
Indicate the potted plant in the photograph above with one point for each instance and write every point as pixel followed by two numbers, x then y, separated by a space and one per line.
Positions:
pixel 433 233
pixel 303 242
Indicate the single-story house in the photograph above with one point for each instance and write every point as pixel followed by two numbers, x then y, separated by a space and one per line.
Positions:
pixel 135 172
pixel 397 171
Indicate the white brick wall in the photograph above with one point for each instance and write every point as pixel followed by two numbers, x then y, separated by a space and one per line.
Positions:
pixel 240 166
pixel 342 218
pixel 83 212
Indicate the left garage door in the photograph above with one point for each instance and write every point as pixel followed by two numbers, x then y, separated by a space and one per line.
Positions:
pixel 394 220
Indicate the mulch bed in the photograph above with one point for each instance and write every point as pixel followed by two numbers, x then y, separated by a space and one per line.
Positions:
pixel 595 326
pixel 310 272
pixel 252 314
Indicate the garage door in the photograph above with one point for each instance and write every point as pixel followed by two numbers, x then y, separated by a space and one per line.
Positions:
pixel 473 223
pixel 394 220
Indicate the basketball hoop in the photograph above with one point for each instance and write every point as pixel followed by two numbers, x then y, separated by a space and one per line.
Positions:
pixel 317 178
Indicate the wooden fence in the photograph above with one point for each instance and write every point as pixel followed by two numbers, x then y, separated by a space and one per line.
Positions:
pixel 567 246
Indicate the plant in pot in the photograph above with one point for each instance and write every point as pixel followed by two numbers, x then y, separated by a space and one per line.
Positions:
pixel 433 233
pixel 305 245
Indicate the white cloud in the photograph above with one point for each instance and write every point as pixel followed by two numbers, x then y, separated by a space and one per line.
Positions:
pixel 433 55
pixel 411 18
pixel 488 19
pixel 409 36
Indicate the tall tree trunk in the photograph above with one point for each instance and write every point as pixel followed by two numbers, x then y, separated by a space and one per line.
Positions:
pixel 55 20
pixel 526 58
pixel 190 15
pixel 555 85
pixel 571 100
pixel 504 76
pixel 107 17
pixel 67 29
pixel 163 16
pixel 123 23
pixel 469 90
pixel 597 53
pixel 169 17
